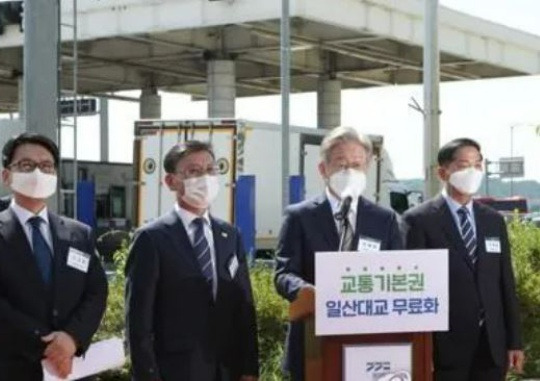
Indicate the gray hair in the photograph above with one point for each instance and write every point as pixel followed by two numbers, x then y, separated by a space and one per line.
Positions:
pixel 342 135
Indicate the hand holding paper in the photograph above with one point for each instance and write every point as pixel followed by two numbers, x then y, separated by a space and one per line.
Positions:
pixel 59 353
pixel 59 370
pixel 516 360
pixel 101 356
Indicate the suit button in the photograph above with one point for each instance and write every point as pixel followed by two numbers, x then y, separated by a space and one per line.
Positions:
pixel 37 333
pixel 55 312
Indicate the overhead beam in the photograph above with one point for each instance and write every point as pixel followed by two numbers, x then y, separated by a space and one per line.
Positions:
pixel 276 63
pixel 356 53
pixel 360 79
pixel 170 73
pixel 6 106
pixel 459 63
pixel 358 39
pixel 144 68
pixel 156 41
pixel 106 81
pixel 117 97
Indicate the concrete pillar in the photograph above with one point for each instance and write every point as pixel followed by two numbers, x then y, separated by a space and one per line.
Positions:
pixel 40 61
pixel 431 79
pixel 104 129
pixel 20 88
pixel 40 68
pixel 328 103
pixel 150 107
pixel 221 89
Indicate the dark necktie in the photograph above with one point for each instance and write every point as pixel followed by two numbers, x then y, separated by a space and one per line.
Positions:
pixel 467 233
pixel 40 248
pixel 202 250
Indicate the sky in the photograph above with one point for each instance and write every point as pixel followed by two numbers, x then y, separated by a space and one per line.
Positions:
pixel 483 110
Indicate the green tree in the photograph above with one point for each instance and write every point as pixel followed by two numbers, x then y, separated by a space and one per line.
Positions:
pixel 525 242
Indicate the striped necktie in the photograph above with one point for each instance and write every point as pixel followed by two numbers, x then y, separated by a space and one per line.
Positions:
pixel 40 248
pixel 467 233
pixel 347 234
pixel 348 237
pixel 202 250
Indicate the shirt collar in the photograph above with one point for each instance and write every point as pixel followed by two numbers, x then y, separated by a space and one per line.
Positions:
pixel 24 214
pixel 335 203
pixel 187 217
pixel 454 205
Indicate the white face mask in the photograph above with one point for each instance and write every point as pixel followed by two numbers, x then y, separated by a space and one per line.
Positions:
pixel 200 192
pixel 34 184
pixel 467 180
pixel 348 182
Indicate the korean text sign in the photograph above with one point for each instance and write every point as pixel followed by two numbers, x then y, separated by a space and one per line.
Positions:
pixel 381 292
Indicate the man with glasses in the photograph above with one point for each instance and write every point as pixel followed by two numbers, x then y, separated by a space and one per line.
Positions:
pixel 189 307
pixel 53 289
pixel 484 339
pixel 318 225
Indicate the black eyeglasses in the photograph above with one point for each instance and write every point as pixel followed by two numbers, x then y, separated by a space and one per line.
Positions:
pixel 27 166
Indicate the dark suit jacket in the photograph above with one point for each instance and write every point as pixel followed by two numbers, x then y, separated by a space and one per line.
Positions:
pixel 489 286
pixel 74 302
pixel 309 227
pixel 4 202
pixel 175 328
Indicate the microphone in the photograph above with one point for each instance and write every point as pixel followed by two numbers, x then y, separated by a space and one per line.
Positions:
pixel 344 209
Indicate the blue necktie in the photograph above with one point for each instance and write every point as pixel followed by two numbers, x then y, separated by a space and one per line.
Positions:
pixel 40 248
pixel 467 233
pixel 202 250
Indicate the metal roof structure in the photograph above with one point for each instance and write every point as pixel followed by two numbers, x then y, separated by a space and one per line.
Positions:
pixel 133 44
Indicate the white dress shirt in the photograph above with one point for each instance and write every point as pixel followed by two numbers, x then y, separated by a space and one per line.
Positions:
pixel 335 205
pixel 187 218
pixel 454 206
pixel 23 215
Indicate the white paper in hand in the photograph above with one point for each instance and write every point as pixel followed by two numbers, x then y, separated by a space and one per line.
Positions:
pixel 101 356
pixel 233 266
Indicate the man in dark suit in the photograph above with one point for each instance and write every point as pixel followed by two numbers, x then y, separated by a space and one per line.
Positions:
pixel 4 202
pixel 312 226
pixel 53 289
pixel 484 337
pixel 190 311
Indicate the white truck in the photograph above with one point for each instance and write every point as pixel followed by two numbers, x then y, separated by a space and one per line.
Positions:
pixel 8 129
pixel 243 149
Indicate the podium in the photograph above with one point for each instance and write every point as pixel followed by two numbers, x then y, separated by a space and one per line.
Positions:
pixel 341 349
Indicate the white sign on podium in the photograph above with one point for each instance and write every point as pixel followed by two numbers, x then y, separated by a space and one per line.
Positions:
pixel 377 362
pixel 381 292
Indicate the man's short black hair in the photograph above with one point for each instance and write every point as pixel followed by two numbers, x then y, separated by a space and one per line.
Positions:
pixel 447 153
pixel 28 138
pixel 181 150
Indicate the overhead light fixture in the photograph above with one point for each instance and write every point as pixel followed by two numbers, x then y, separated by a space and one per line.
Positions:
pixel 7 72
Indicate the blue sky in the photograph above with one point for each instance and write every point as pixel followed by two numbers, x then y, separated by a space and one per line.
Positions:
pixel 483 110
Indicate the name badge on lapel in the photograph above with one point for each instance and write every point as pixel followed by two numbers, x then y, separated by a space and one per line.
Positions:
pixel 493 245
pixel 233 266
pixel 369 244
pixel 78 260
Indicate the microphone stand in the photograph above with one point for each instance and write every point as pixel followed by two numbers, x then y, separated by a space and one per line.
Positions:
pixel 344 230
pixel 344 221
